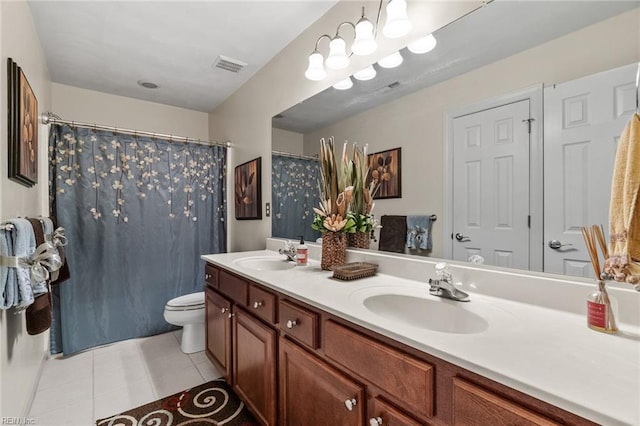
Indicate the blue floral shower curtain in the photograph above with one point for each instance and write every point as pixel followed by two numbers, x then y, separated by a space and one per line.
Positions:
pixel 138 213
pixel 294 193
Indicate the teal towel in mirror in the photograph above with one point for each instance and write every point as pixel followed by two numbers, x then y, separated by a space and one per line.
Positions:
pixel 419 232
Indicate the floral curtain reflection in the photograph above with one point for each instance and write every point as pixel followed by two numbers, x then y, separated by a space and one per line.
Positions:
pixel 138 212
pixel 294 194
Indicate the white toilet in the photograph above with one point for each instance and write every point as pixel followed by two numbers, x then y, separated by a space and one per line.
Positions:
pixel 188 312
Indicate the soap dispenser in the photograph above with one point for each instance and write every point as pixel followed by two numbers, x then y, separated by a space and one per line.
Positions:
pixel 302 253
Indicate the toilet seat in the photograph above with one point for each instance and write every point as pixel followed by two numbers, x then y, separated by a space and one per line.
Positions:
pixel 188 302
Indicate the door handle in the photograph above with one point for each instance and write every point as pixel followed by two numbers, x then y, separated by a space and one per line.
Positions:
pixel 462 238
pixel 555 244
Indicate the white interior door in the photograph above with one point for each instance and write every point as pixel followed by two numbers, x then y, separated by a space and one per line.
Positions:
pixel 583 120
pixel 491 185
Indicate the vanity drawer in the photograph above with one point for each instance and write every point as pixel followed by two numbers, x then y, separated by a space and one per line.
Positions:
pixel 384 414
pixel 299 323
pixel 406 379
pixel 263 304
pixel 234 287
pixel 473 405
pixel 211 276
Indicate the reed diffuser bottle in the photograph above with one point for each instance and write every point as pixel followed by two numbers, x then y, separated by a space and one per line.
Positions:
pixel 602 310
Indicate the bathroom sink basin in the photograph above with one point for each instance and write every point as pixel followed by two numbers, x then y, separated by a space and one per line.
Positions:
pixel 438 315
pixel 265 263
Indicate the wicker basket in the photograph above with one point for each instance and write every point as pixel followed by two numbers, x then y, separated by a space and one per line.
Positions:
pixel 359 240
pixel 334 249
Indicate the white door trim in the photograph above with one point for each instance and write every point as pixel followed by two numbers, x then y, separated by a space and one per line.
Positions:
pixel 535 96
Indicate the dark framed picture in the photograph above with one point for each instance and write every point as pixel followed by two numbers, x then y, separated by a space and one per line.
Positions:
pixel 23 127
pixel 384 168
pixel 248 190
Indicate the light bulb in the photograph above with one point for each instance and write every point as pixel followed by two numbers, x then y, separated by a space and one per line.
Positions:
pixel 365 74
pixel 315 71
pixel 364 43
pixel 391 61
pixel 398 23
pixel 423 44
pixel 345 84
pixel 337 58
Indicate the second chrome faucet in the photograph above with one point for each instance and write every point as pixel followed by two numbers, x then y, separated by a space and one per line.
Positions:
pixel 443 285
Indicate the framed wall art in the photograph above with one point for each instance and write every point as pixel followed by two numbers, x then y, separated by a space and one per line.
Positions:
pixel 384 168
pixel 248 190
pixel 23 127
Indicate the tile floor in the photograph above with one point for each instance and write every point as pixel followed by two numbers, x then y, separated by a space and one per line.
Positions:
pixel 108 380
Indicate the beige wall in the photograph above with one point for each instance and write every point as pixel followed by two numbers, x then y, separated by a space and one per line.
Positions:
pixel 20 354
pixel 245 118
pixel 415 122
pixel 72 103
pixel 286 141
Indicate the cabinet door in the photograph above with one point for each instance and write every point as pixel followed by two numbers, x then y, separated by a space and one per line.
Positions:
pixel 218 326
pixel 254 365
pixel 473 405
pixel 313 393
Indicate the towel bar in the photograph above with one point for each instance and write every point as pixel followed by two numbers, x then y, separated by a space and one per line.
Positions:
pixel 6 227
pixel 433 217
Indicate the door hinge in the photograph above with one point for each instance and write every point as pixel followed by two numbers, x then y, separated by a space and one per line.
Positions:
pixel 528 121
pixel 529 221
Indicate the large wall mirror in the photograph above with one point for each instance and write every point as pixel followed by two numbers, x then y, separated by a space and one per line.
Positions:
pixel 567 59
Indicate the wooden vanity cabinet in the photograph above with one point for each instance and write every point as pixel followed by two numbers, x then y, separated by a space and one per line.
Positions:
pixel 293 364
pixel 314 393
pixel 240 344
pixel 254 365
pixel 218 332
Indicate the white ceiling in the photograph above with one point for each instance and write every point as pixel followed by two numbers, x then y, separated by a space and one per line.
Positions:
pixel 108 46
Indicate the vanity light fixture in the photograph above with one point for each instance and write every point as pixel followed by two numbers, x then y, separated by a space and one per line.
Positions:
pixel 365 74
pixel 345 84
pixel 423 44
pixel 364 43
pixel 398 23
pixel 391 61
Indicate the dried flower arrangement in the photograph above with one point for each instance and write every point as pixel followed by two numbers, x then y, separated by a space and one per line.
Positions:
pixel 345 202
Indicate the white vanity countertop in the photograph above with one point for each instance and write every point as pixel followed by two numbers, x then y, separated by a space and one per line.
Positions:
pixel 546 353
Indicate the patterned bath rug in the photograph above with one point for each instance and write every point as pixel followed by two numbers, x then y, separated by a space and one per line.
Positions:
pixel 213 403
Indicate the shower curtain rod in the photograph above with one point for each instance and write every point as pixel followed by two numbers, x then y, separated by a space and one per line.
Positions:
pixel 51 118
pixel 288 154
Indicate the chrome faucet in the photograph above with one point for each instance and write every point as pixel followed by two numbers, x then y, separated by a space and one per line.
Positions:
pixel 443 286
pixel 289 250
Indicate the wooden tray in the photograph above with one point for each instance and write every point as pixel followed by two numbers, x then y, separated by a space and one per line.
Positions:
pixel 354 270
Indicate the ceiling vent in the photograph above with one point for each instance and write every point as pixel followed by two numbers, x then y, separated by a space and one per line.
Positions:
pixel 228 64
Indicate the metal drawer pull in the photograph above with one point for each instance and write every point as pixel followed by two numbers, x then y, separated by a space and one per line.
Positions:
pixel 291 324
pixel 224 310
pixel 375 421
pixel 257 305
pixel 231 315
pixel 350 403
